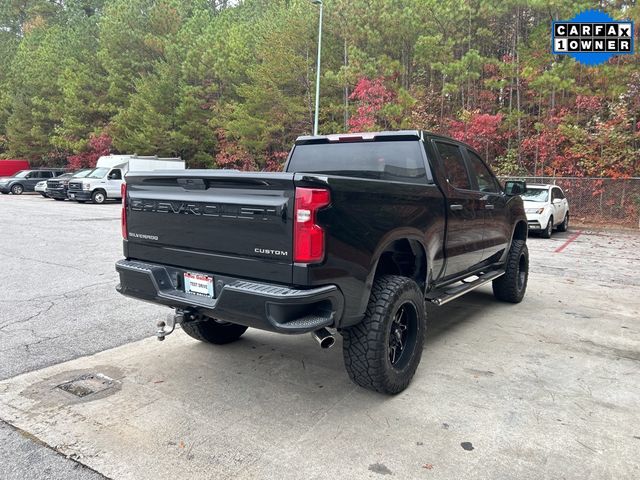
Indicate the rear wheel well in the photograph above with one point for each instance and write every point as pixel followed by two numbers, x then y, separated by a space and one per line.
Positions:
pixel 406 258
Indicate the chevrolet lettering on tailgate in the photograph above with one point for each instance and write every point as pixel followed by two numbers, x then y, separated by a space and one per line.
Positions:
pixel 204 209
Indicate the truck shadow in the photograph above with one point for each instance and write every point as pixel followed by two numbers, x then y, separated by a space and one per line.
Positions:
pixel 285 361
pixel 441 320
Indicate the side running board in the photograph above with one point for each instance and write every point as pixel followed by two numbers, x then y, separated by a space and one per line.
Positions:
pixel 446 294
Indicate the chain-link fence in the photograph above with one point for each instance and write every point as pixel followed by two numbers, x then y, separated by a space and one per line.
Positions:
pixel 606 201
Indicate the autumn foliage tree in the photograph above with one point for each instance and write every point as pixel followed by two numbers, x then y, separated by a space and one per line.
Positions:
pixel 480 130
pixel 167 77
pixel 99 145
pixel 232 155
pixel 371 96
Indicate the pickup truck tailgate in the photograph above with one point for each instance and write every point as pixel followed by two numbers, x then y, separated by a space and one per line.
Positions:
pixel 213 221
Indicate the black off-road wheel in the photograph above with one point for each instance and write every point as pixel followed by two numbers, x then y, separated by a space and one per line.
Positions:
pixel 512 286
pixel 546 233
pixel 564 226
pixel 382 352
pixel 209 330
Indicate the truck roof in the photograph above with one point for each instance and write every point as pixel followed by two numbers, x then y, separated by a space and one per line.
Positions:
pixel 354 137
pixel 368 136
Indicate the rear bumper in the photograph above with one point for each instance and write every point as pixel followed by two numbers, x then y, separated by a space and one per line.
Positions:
pixel 79 195
pixel 259 305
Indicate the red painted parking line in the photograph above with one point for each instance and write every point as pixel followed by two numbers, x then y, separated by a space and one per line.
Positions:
pixel 569 240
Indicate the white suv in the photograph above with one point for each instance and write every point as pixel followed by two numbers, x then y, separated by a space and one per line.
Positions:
pixel 547 208
pixel 41 188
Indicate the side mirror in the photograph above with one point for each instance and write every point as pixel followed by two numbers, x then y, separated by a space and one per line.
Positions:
pixel 557 200
pixel 515 187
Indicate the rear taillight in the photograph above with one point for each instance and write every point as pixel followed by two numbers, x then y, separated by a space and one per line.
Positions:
pixel 123 191
pixel 308 237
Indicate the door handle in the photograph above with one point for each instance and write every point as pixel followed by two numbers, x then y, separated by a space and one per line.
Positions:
pixel 456 206
pixel 488 206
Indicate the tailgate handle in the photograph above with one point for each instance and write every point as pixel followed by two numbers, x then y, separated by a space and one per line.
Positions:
pixel 192 183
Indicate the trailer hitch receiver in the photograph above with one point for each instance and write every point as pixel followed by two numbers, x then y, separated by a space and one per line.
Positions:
pixel 167 328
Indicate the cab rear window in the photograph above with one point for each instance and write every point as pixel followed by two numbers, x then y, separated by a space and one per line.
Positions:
pixel 390 160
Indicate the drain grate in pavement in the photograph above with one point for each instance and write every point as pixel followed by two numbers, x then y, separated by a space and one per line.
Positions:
pixel 87 384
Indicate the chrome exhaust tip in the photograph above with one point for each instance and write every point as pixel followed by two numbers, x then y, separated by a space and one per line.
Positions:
pixel 324 338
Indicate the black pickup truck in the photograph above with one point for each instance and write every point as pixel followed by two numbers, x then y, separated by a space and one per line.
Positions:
pixel 355 235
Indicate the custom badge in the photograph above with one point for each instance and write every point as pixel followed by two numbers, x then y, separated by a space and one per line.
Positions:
pixel 592 37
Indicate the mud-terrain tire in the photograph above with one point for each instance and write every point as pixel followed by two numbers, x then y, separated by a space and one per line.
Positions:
pixel 512 286
pixel 383 351
pixel 210 331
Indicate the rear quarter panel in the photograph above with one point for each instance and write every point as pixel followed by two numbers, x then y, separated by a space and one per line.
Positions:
pixel 363 218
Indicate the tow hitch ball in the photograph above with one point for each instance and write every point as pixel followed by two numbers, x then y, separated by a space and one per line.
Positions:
pixel 167 328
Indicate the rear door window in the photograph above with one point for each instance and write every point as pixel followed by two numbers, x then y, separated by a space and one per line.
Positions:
pixel 454 166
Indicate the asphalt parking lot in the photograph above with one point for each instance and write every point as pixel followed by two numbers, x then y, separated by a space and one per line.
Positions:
pixel 549 388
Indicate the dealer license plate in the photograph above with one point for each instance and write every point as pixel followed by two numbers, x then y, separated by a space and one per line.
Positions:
pixel 198 284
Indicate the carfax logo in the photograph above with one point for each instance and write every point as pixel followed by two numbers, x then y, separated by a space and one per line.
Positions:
pixel 592 37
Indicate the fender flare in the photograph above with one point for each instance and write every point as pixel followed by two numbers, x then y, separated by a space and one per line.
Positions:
pixel 416 241
pixel 514 230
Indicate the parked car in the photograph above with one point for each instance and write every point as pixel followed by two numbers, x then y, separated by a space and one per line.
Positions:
pixel 41 188
pixel 356 234
pixel 547 209
pixel 57 187
pixel 105 181
pixel 26 180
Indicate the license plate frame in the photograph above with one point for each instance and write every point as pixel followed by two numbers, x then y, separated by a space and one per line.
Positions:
pixel 198 284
